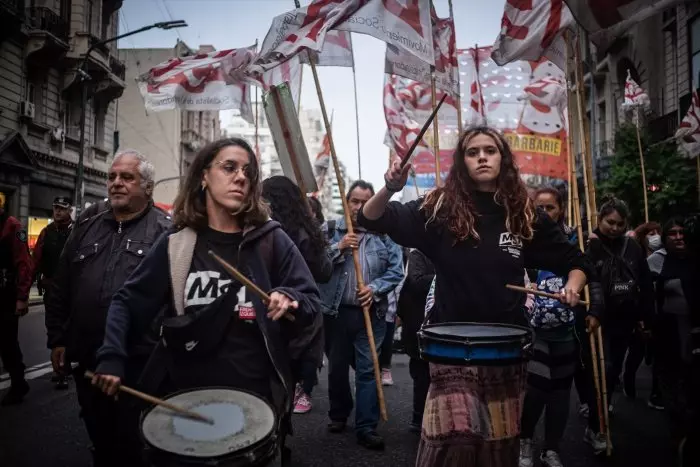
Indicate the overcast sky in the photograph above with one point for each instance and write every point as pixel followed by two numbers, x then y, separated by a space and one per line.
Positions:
pixel 238 23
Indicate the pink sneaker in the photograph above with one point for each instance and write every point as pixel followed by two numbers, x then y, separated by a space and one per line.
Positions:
pixel 387 380
pixel 303 404
pixel 298 391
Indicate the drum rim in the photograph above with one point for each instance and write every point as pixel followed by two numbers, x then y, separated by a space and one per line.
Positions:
pixel 426 331
pixel 270 438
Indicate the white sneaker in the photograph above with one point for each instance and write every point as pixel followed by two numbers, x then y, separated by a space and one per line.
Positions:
pixel 550 459
pixel 525 453
pixel 596 440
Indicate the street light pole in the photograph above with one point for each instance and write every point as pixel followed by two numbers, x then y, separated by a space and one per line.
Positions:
pixel 83 76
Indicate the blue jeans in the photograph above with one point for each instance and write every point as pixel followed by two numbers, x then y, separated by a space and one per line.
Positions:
pixel 347 339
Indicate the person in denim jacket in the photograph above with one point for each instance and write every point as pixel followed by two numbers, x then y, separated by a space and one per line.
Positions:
pixel 342 302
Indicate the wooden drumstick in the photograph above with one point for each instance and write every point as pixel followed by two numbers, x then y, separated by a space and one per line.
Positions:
pixel 537 292
pixel 154 400
pixel 240 277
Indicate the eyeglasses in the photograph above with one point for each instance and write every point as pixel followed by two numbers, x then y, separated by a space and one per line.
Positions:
pixel 231 169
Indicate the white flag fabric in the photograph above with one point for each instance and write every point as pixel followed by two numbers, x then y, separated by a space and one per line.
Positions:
pixel 398 62
pixel 287 72
pixel 404 24
pixel 688 133
pixel 549 91
pixel 606 20
pixel 336 51
pixel 635 96
pixel 207 81
pixel 532 29
pixel 305 28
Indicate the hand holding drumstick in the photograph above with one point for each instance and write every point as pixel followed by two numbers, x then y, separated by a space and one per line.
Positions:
pixel 277 303
pixel 561 298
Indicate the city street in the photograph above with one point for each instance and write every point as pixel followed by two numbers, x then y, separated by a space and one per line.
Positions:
pixel 46 431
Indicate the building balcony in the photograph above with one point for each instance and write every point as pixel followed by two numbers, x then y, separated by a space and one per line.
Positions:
pixel 12 16
pixel 106 71
pixel 663 128
pixel 48 35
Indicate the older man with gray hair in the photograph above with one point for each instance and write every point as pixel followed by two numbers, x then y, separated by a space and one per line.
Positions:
pixel 108 242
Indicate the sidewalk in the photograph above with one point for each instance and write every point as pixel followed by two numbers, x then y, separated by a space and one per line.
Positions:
pixel 34 297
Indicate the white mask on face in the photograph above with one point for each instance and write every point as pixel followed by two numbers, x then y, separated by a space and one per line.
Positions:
pixel 654 242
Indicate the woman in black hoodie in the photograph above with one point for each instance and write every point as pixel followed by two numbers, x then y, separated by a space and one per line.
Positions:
pixel 218 332
pixel 292 212
pixel 624 274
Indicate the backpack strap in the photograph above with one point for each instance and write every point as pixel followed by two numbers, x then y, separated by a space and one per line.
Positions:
pixel 180 251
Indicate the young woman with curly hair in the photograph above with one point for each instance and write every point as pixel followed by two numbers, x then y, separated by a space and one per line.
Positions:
pixel 480 231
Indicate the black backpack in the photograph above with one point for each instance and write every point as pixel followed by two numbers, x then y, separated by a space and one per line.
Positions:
pixel 619 279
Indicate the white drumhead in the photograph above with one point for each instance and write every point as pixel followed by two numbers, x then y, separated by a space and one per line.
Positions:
pixel 240 420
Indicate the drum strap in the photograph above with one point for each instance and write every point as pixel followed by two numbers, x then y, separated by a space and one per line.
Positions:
pixel 180 252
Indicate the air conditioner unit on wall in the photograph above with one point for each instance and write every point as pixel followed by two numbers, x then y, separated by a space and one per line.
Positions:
pixel 26 110
pixel 58 135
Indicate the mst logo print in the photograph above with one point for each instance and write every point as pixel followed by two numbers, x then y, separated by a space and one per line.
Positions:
pixel 511 244
pixel 204 287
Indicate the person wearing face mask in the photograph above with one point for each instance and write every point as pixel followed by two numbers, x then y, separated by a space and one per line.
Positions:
pixel 648 235
pixel 480 231
pixel 622 267
pixel 554 363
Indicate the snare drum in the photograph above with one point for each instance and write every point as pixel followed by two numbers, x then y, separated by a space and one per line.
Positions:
pixel 243 433
pixel 474 343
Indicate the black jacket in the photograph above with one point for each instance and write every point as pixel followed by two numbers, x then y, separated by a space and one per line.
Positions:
pixel 635 257
pixel 411 307
pixel 98 257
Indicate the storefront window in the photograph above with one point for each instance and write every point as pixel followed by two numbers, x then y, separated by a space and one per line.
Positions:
pixel 36 224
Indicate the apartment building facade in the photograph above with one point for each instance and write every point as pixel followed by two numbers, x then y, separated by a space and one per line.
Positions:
pixel 170 139
pixel 42 42
pixel 663 56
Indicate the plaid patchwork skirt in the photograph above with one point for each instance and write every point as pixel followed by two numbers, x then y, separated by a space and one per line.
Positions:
pixel 472 416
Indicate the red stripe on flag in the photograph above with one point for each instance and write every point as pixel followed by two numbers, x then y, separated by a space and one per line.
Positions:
pixel 553 23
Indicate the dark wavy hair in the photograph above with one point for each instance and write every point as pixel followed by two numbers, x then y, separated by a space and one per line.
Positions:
pixel 452 204
pixel 190 208
pixel 612 204
pixel 291 211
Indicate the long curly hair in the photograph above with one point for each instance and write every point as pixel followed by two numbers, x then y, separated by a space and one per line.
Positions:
pixel 291 211
pixel 453 206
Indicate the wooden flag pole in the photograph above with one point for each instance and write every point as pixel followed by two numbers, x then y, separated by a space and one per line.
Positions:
pixel 459 84
pixel 436 129
pixel 583 137
pixel 257 140
pixel 641 162
pixel 579 231
pixel 355 253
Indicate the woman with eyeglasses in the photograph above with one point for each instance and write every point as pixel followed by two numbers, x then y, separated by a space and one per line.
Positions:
pixel 241 341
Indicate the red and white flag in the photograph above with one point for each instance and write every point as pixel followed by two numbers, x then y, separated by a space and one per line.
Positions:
pixel 303 29
pixel 322 163
pixel 688 133
pixel 606 20
pixel 287 72
pixel 532 29
pixel 635 96
pixel 404 24
pixel 206 81
pixel 398 62
pixel 336 51
pixel 549 91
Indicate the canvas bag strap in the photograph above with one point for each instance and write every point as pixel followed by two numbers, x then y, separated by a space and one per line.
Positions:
pixel 180 251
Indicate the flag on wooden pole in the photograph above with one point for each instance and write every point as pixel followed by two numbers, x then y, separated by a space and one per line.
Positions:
pixel 635 96
pixel 688 133
pixel 532 29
